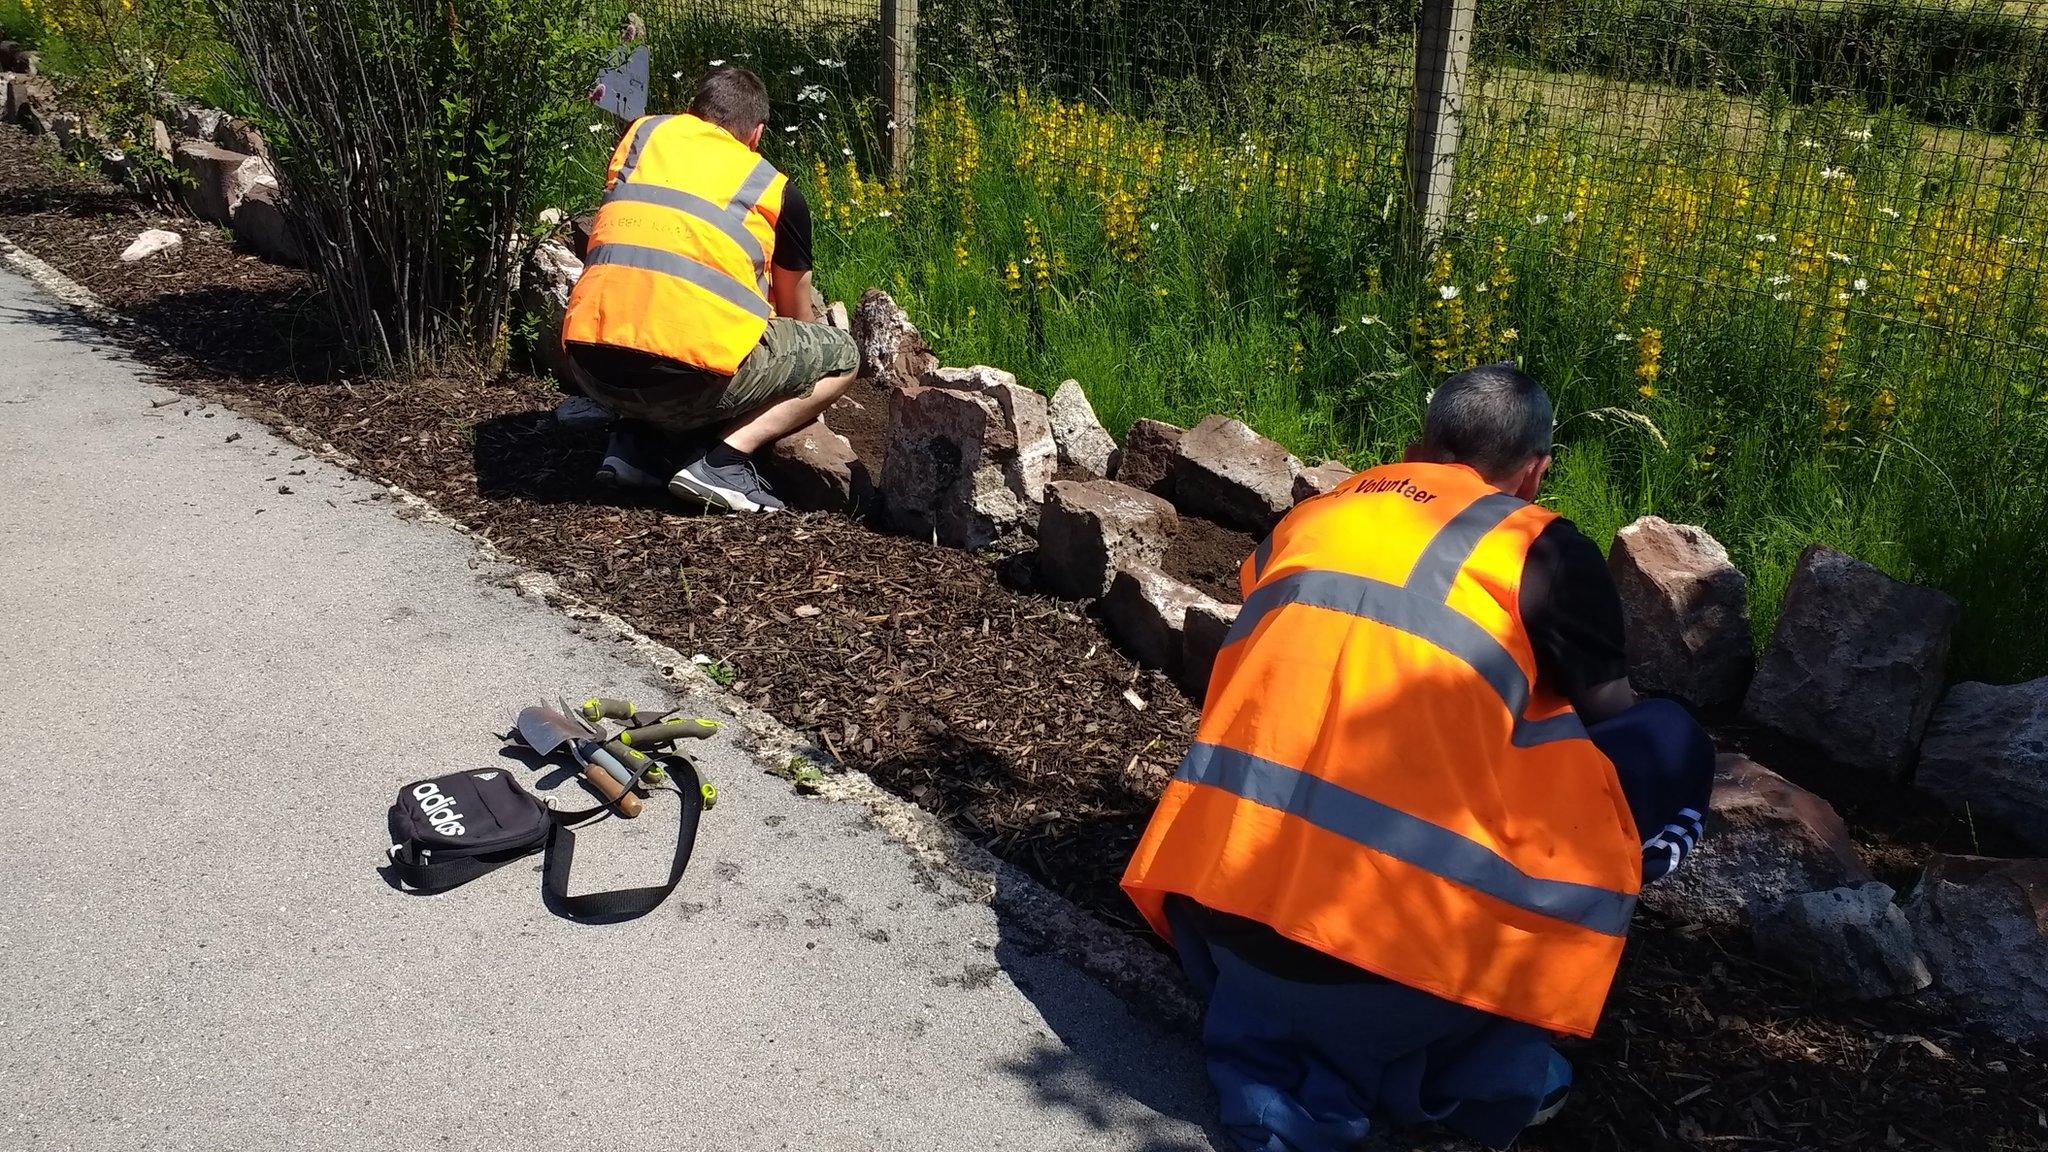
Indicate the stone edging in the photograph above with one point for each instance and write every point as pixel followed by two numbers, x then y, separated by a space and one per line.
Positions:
pixel 1143 977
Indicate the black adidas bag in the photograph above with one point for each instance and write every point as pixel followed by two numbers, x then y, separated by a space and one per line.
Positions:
pixel 452 829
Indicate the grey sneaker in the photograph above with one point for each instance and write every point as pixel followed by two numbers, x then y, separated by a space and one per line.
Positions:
pixel 733 488
pixel 631 460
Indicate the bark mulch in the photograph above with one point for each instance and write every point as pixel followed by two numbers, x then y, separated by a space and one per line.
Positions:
pixel 1008 713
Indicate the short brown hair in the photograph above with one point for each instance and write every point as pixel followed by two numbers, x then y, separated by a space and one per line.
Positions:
pixel 732 98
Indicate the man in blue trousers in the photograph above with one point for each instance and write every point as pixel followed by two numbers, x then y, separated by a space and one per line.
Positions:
pixel 1404 851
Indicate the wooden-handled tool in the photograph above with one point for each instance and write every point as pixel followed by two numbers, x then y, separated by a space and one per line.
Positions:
pixel 627 803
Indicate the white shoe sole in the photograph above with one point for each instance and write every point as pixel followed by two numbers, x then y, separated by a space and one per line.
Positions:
pixel 686 487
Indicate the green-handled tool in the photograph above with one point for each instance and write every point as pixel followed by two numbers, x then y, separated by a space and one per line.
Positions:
pixel 668 732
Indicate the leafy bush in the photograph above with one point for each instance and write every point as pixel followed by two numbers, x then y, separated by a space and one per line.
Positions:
pixel 417 142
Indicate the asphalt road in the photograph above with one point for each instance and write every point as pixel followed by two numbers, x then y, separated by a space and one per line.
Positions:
pixel 224 659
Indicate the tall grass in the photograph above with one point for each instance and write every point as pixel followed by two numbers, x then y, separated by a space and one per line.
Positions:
pixel 1826 334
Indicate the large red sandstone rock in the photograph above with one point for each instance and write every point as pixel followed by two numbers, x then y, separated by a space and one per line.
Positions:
pixel 1686 609
pixel 1203 630
pixel 1855 666
pixel 815 469
pixel 1088 530
pixel 1320 479
pixel 1983 924
pixel 1147 458
pixel 1986 753
pixel 1231 474
pixel 892 351
pixel 1767 840
pixel 1146 612
pixel 968 458
pixel 1085 445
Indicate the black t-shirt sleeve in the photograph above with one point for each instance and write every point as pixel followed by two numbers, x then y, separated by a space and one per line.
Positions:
pixel 1572 611
pixel 793 231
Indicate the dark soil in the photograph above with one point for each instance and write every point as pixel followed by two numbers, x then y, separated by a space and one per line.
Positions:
pixel 1208 556
pixel 1004 712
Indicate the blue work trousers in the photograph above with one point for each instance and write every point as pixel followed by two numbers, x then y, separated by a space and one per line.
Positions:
pixel 1303 1066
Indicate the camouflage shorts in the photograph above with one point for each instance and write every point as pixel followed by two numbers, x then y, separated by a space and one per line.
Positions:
pixel 790 360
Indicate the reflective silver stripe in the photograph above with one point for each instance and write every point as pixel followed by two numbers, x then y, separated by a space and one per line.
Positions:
pixel 682 268
pixel 640 135
pixel 751 190
pixel 1410 839
pixel 1424 618
pixel 1260 556
pixel 1438 566
pixel 698 208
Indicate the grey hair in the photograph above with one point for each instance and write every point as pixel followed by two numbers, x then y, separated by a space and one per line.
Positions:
pixel 1493 418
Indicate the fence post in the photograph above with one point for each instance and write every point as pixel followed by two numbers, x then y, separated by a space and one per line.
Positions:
pixel 899 82
pixel 1443 44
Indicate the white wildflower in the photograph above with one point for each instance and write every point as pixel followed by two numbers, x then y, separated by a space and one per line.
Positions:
pixel 1448 291
pixel 714 64
pixel 846 152
pixel 891 125
pixel 1856 133
pixel 1340 329
pixel 1809 143
pixel 790 128
pixel 1368 321
pixel 1861 284
pixel 811 93
pixel 1832 173
pixel 676 75
pixel 1889 211
pixel 1767 237
pixel 883 214
pixel 797 71
pixel 1778 279
pixel 1569 217
pixel 1842 296
pixel 824 63
pixel 1622 337
pixel 1540 219
pixel 1781 297
pixel 1840 257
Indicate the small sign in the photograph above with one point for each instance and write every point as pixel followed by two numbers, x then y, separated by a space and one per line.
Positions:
pixel 622 88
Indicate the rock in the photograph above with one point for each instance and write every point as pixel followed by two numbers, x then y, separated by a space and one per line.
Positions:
pixel 945 472
pixel 1146 612
pixel 1030 468
pixel 836 317
pixel 1231 474
pixel 150 243
pixel 28 99
pixel 219 179
pixel 237 135
pixel 196 123
pixel 1767 840
pixel 1090 529
pixel 1146 461
pixel 1851 943
pixel 1320 479
pixel 1202 634
pixel 1983 924
pixel 582 414
pixel 1084 444
pixel 815 470
pixel 892 351
pixel 160 138
pixel 1855 666
pixel 544 286
pixel 259 222
pixel 16 57
pixel 1986 753
pixel 1686 610
pixel 67 130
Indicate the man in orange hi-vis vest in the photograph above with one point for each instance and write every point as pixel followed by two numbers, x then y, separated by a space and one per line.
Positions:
pixel 693 313
pixel 1405 848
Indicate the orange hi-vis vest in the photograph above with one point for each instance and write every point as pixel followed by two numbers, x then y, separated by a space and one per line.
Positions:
pixel 678 260
pixel 1377 775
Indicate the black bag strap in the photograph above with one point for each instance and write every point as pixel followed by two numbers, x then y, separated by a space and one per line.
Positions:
pixel 621 903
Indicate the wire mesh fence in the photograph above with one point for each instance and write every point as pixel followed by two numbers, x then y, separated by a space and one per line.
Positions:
pixel 1779 261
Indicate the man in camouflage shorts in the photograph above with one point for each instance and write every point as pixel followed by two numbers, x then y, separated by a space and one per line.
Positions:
pixel 700 244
